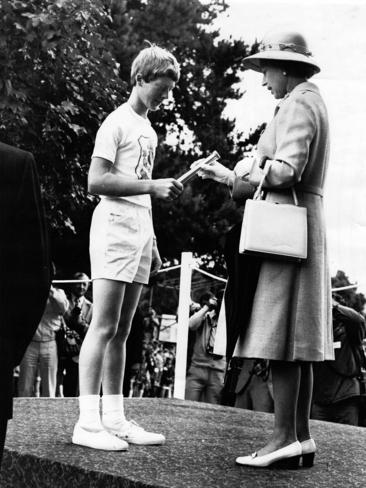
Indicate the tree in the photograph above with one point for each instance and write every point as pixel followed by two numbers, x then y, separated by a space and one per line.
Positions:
pixel 58 79
pixel 65 65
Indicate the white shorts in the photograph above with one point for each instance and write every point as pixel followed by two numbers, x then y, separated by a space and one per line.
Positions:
pixel 121 239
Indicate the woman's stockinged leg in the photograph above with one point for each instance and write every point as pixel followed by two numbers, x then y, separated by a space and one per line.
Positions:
pixel 107 303
pixel 304 402
pixel 286 384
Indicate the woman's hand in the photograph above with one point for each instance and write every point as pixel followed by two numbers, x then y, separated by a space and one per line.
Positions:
pixel 215 171
pixel 243 168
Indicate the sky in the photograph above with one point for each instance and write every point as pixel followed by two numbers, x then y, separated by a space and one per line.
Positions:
pixel 336 35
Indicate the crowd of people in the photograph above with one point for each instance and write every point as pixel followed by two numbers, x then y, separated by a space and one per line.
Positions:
pixel 49 367
pixel 338 394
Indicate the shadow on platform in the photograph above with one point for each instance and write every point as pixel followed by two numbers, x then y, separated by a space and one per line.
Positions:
pixel 202 444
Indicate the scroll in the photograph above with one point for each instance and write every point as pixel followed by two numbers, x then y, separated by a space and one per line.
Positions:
pixel 193 171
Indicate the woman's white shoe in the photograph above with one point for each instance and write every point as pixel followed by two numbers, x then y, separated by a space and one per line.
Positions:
pixel 287 457
pixel 102 440
pixel 308 449
pixel 308 446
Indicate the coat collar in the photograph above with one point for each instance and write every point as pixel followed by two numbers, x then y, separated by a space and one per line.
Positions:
pixel 301 87
pixel 305 86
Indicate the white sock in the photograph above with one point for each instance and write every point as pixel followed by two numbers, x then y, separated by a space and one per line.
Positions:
pixel 89 417
pixel 113 411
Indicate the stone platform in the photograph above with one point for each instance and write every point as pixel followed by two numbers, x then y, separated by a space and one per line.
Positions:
pixel 202 444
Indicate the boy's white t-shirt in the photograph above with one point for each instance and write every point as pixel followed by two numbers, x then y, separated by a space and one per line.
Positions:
pixel 129 142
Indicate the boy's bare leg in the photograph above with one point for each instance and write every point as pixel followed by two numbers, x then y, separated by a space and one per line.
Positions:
pixel 113 410
pixel 89 431
pixel 114 362
pixel 108 297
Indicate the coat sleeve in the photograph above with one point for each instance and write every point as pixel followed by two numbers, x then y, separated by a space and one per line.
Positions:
pixel 295 130
pixel 59 300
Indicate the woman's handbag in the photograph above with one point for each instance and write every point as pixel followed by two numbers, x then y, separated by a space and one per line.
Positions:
pixel 272 229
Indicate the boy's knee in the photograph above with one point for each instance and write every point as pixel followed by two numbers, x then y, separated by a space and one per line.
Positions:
pixel 123 332
pixel 106 333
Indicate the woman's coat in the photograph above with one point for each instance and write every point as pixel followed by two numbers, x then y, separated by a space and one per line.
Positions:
pixel 291 314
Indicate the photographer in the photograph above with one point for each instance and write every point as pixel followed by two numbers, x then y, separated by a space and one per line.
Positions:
pixel 41 353
pixel 337 384
pixel 207 370
pixel 71 335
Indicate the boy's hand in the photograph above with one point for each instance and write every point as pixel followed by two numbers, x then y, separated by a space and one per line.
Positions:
pixel 166 188
pixel 156 261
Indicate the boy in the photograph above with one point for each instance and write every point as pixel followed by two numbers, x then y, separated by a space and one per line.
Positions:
pixel 123 249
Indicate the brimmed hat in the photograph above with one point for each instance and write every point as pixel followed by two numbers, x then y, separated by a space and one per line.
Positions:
pixel 282 46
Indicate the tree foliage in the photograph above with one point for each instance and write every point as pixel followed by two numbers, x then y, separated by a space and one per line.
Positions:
pixel 64 65
pixel 58 79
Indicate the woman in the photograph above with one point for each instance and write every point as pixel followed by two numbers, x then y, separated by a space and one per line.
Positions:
pixel 290 322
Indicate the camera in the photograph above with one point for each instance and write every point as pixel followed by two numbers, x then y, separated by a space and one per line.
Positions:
pixel 76 310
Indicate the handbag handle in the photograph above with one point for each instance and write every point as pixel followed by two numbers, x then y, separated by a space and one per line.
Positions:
pixel 259 192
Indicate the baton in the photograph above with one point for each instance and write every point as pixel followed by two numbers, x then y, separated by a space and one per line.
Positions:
pixel 193 171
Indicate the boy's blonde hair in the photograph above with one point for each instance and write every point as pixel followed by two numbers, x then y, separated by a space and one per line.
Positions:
pixel 154 62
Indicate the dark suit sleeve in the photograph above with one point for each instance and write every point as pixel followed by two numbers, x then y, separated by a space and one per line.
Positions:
pixel 24 260
pixel 34 256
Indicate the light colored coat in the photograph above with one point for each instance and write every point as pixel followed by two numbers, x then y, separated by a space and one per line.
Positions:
pixel 291 315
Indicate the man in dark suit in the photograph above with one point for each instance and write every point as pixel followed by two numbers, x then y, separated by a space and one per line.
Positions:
pixel 24 266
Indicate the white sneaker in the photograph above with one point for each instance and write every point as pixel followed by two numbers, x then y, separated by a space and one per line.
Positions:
pixel 102 440
pixel 134 434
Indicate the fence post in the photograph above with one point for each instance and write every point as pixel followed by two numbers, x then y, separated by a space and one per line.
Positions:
pixel 183 318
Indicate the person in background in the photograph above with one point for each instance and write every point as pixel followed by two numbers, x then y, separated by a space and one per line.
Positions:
pixel 206 373
pixel 76 322
pixel 25 268
pixel 41 354
pixel 158 369
pixel 254 387
pixel 134 353
pixel 337 388
pixel 193 308
pixel 167 378
pixel 151 321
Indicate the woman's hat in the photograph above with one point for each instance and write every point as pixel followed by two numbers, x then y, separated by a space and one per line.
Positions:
pixel 282 46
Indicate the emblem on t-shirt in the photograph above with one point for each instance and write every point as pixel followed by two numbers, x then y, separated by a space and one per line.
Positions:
pixel 146 159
